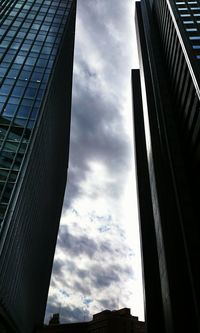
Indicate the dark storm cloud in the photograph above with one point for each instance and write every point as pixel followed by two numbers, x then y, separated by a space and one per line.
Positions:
pixel 61 270
pixel 95 140
pixel 68 314
pixel 63 278
pixel 97 125
pixel 57 267
pixel 105 247
pixel 51 309
pixel 82 287
pixel 99 277
pixel 105 268
pixel 97 132
pixel 76 245
pixel 105 276
pixel 110 304
pixel 110 33
pixel 75 314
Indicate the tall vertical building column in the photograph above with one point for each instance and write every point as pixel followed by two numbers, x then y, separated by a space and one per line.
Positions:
pixel 169 195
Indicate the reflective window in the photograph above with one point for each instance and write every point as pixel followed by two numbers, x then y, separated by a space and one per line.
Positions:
pixel 23 111
pixel 31 36
pixel 194 37
pixel 30 92
pixel 10 109
pixel 191 29
pixel 19 59
pixel 5 89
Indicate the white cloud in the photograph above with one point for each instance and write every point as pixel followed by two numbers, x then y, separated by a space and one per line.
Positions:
pixel 97 261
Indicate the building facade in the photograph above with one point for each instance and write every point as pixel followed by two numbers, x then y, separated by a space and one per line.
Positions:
pixel 37 44
pixel 166 101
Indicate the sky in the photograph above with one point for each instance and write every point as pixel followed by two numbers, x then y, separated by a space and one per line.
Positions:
pixel 97 263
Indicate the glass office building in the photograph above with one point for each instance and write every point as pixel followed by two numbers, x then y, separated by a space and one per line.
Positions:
pixel 166 100
pixel 36 60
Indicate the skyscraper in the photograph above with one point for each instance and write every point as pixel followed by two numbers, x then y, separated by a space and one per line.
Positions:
pixel 37 43
pixel 166 100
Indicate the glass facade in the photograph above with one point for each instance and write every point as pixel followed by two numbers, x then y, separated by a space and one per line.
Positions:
pixel 30 35
pixel 36 66
pixel 189 13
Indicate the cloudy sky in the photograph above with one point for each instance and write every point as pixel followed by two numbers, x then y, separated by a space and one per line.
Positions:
pixel 97 260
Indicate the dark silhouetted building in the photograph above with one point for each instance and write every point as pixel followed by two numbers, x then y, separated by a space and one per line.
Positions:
pixel 36 60
pixel 55 319
pixel 166 100
pixel 119 321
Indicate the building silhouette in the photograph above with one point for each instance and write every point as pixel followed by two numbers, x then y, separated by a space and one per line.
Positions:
pixel 119 321
pixel 166 101
pixel 37 44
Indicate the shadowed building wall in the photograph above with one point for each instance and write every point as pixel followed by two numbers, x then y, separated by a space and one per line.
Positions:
pixel 37 44
pixel 167 140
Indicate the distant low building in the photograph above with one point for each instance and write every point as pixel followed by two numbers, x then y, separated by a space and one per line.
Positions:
pixel 118 321
pixel 55 319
